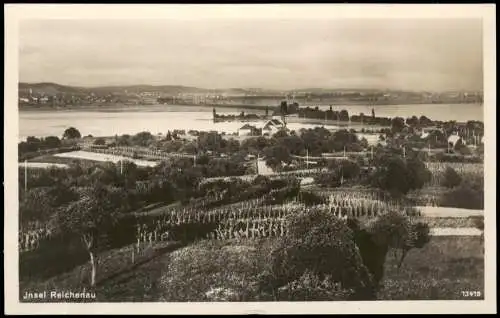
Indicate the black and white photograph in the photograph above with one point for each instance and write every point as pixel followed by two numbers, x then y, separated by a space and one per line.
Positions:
pixel 282 154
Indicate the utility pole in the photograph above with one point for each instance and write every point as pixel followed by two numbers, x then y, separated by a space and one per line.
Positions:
pixel 372 152
pixel 121 166
pixel 194 160
pixel 307 158
pixel 341 176
pixel 344 151
pixel 25 175
pixel 257 163
pixel 404 152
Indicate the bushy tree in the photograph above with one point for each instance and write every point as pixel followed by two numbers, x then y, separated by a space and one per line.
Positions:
pixel 397 124
pixel 276 155
pixel 328 179
pixel 124 140
pixel 320 243
pixel 52 142
pixel 90 217
pixel 72 133
pixel 99 142
pixel 399 176
pixel 451 178
pixel 467 195
pixel 143 139
pixel 348 169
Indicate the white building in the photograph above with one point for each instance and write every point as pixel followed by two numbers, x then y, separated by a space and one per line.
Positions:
pixel 272 126
pixel 453 140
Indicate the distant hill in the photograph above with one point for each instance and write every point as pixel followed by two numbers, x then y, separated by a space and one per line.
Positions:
pixel 50 89
pixel 53 89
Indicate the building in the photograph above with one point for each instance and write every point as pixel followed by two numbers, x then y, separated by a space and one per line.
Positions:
pixel 455 140
pixel 248 130
pixel 272 126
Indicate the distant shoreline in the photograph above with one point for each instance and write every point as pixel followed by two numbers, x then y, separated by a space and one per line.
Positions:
pixel 160 107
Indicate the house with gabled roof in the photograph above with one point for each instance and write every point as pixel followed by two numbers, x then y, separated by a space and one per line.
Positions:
pixel 248 130
pixel 272 126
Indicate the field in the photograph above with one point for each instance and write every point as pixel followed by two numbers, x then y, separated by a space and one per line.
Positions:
pixel 227 270
pixel 215 246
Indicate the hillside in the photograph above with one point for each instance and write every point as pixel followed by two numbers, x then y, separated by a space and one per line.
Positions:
pixel 53 89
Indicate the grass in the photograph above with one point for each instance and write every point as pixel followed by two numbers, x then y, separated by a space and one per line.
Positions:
pixel 228 271
pixel 114 268
pixel 439 271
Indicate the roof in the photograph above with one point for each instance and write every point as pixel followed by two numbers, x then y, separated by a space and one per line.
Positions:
pixel 274 122
pixel 248 126
pixel 454 139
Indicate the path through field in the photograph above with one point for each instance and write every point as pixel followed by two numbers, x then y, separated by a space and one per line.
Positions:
pixel 444 212
pixel 454 231
pixel 43 165
pixel 104 157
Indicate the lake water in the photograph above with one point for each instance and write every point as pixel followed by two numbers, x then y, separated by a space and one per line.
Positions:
pixel 160 119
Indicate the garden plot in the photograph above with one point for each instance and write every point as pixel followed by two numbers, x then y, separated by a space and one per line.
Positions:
pixel 104 157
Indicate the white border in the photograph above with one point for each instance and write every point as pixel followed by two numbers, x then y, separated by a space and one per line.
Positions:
pixel 16 12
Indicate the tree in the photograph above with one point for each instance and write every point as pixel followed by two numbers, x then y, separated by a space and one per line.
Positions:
pixel 99 142
pixel 412 121
pixel 276 155
pixel 451 178
pixel 392 230
pixel 348 169
pixel 398 176
pixel 417 173
pixel 211 141
pixel 52 142
pixel 397 124
pixel 344 115
pixel 424 121
pixel 71 133
pixel 90 217
pixel 342 139
pixel 143 139
pixel 124 140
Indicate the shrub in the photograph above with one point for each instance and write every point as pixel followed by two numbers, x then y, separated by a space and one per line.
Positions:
pixel 465 196
pixel 309 198
pixel 451 178
pixel 320 243
pixel 328 179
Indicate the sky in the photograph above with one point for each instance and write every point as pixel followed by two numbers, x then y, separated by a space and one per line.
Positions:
pixel 420 54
